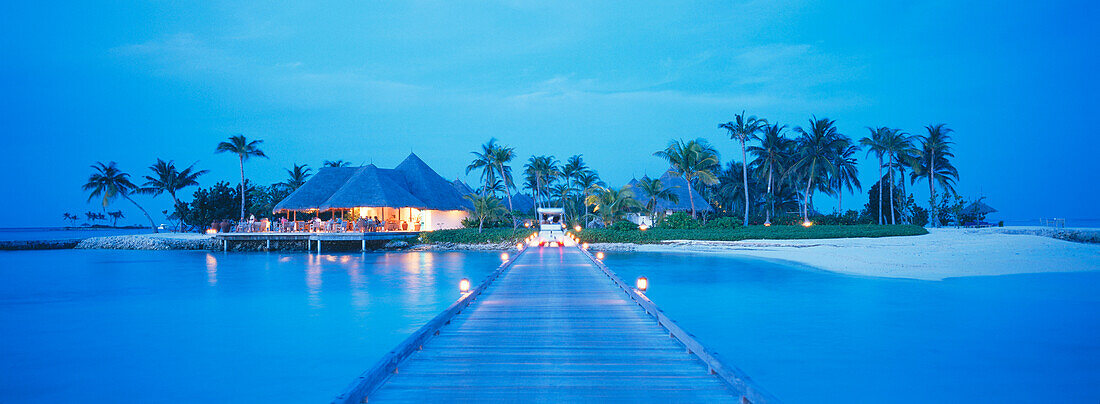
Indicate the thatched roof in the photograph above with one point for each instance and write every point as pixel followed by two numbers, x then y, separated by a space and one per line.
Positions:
pixel 427 185
pixel 679 187
pixel 317 189
pixel 412 184
pixel 979 207
pixel 462 188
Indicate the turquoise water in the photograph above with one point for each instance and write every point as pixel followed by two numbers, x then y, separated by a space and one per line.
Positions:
pixel 810 336
pixel 181 326
pixel 62 233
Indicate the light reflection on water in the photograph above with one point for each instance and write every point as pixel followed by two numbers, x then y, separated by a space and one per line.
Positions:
pixel 101 324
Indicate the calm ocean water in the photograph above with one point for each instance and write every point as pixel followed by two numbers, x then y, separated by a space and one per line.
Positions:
pixel 110 326
pixel 811 336
pixel 61 233
pixel 180 326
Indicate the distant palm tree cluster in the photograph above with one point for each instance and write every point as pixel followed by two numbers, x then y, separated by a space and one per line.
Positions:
pixel 779 173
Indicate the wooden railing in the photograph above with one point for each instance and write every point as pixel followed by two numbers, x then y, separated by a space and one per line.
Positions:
pixel 370 380
pixel 735 378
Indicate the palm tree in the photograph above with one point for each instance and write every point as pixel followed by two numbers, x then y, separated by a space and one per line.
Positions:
pixel 108 183
pixel 876 144
pixel 896 144
pixel 484 160
pixel 744 130
pixel 297 176
pixel 336 163
pixel 486 207
pixel 611 203
pixel 572 168
pixel 693 160
pixel 71 217
pixel 933 162
pixel 541 169
pixel 586 182
pixel 814 149
pixel 653 189
pixel 501 156
pixel 847 172
pixel 244 149
pixel 115 216
pixel 167 179
pixel 771 157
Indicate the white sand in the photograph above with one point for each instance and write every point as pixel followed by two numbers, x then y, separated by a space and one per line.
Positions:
pixel 943 253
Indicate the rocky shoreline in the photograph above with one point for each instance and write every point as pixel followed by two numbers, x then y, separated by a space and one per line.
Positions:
pixel 146 242
pixel 13 245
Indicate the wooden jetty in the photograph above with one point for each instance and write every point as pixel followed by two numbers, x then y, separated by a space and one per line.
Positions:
pixel 313 240
pixel 552 324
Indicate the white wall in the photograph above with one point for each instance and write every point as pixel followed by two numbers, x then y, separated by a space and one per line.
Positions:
pixel 444 219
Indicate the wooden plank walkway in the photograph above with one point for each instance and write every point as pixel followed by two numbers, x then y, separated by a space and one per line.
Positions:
pixel 553 325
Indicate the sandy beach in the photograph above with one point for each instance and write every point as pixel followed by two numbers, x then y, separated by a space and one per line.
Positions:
pixel 943 253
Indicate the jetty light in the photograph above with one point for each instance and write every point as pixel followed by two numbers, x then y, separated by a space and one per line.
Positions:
pixel 519 246
pixel 643 227
pixel 464 285
pixel 642 284
pixel 526 224
pixel 599 255
pixel 807 223
pixel 577 228
pixel 584 246
pixel 504 256
pixel 767 223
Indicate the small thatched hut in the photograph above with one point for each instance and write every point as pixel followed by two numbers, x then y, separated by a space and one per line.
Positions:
pixel 411 194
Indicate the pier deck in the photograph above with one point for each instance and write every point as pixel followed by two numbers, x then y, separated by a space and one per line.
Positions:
pixel 314 240
pixel 553 324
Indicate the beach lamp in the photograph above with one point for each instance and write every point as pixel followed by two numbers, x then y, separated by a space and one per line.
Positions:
pixel 577 228
pixel 643 227
pixel 599 255
pixel 464 285
pixel 526 224
pixel 807 223
pixel 504 256
pixel 642 284
pixel 584 246
pixel 519 246
pixel 767 223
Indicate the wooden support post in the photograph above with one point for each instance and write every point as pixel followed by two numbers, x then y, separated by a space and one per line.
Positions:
pixel 225 245
pixel 364 247
pixel 318 246
pixel 269 244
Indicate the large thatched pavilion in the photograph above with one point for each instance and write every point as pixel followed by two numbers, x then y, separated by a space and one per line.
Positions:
pixel 410 196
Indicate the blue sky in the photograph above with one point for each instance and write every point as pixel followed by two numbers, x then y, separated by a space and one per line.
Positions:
pixel 372 81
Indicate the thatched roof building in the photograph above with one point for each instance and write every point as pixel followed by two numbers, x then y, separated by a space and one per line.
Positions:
pixel 409 192
pixel 679 187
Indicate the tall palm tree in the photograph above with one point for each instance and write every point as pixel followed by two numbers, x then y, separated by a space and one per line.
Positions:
pixel 876 144
pixel 167 179
pixel 542 169
pixel 771 157
pixel 336 163
pixel 501 156
pixel 694 160
pixel 847 172
pixel 897 144
pixel 484 160
pixel 653 189
pixel 814 148
pixel 933 162
pixel 115 216
pixel 586 182
pixel 244 149
pixel 744 129
pixel 296 176
pixel 108 183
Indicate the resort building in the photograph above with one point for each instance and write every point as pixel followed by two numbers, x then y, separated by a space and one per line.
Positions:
pixel 409 197
pixel 683 204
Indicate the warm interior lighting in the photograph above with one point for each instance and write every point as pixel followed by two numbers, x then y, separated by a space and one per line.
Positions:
pixel 211 231
pixel 464 285
pixel 577 228
pixel 807 223
pixel 642 284
pixel 504 256
pixel 599 255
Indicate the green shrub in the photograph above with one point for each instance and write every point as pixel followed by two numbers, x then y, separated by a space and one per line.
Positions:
pixel 471 236
pixel 624 225
pixel 678 220
pixel 775 232
pixel 724 223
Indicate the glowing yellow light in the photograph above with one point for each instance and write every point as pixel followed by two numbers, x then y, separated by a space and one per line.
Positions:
pixel 766 224
pixel 504 257
pixel 519 246
pixel 584 246
pixel 526 224
pixel 464 285
pixel 577 228
pixel 643 227
pixel 599 255
pixel 807 223
pixel 211 231
pixel 552 244
pixel 642 284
